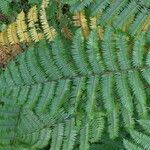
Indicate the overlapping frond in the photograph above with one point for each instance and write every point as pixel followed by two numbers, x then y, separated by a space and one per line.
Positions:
pixel 65 93
pixel 90 83
pixel 27 28
pixel 140 139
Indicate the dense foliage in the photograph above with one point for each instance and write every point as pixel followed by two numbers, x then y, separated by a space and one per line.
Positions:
pixel 83 81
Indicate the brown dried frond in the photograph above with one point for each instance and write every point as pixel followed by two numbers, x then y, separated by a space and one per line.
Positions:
pixel 67 32
pixel 8 52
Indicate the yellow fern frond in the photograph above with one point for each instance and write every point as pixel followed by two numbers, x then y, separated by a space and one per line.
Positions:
pixel 93 23
pixel 3 38
pixel 45 4
pixel 49 31
pixel 32 15
pixel 22 28
pixel 32 19
pixel 12 33
pixel 81 21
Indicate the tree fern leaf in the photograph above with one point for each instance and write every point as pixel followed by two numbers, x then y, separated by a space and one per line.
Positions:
pixel 111 11
pixel 34 66
pixel 123 51
pixel 110 105
pixel 138 50
pixel 46 61
pixel 60 97
pixel 146 71
pixel 98 6
pixel 84 137
pixel 16 77
pixel 23 95
pixel 33 96
pixel 96 127
pixel 57 137
pixel 139 92
pixel 24 71
pixel 92 87
pixel 109 50
pixel 79 53
pixel 128 13
pixel 46 97
pixel 62 58
pixel 130 146
pixel 79 5
pixel 29 124
pixel 126 100
pixel 8 75
pixel 5 7
pixel 137 26
pixel 141 139
pixel 95 58
pixel 77 92
pixel 43 139
pixel 9 116
pixel 15 92
pixel 145 123
pixel 70 135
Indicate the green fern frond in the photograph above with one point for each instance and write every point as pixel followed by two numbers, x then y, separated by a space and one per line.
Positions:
pixel 57 137
pixel 130 146
pixel 73 104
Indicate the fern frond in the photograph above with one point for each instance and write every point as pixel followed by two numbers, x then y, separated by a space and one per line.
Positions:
pixel 110 105
pixel 146 71
pixel 94 55
pixel 48 95
pixel 21 31
pixel 138 50
pixel 141 139
pixel 139 23
pixel 62 57
pixel 69 135
pixel 98 6
pixel 22 28
pixel 130 146
pixel 3 38
pixel 109 50
pixel 32 20
pixel 80 5
pixel 140 94
pixel 81 21
pixel 84 137
pixel 92 88
pixel 12 33
pixel 49 31
pixel 145 124
pixel 127 15
pixel 57 137
pixel 112 11
pixel 79 53
pixel 96 127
